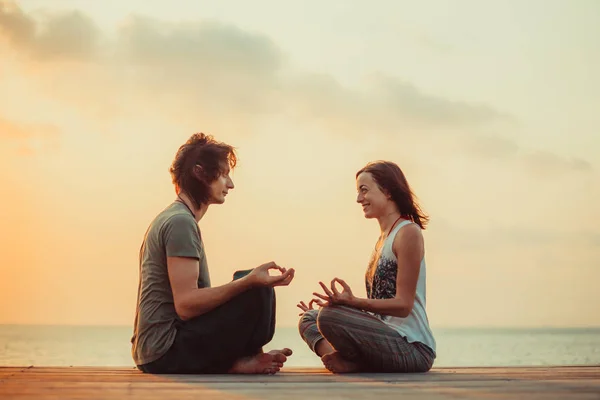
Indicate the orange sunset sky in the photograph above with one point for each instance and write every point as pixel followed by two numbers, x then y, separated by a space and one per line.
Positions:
pixel 491 109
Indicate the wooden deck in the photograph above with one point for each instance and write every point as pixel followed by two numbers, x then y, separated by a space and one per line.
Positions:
pixel 559 383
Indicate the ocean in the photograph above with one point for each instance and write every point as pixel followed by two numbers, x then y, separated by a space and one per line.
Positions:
pixel 31 345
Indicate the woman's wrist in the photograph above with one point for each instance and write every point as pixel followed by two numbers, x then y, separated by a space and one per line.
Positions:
pixel 354 302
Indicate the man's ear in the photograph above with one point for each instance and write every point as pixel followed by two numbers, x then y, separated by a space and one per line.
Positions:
pixel 198 172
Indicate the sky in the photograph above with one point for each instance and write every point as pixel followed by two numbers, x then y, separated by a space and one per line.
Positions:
pixel 490 108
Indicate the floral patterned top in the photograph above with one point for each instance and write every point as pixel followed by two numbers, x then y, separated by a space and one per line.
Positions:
pixel 380 278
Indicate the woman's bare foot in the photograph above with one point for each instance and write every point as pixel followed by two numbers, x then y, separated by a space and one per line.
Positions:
pixel 335 363
pixel 261 363
pixel 323 347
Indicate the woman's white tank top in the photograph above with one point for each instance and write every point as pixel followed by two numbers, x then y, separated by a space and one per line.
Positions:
pixel 381 284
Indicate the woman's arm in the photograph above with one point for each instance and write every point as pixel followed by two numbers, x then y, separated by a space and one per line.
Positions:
pixel 409 250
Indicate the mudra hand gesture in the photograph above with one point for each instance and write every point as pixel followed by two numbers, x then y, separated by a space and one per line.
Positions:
pixel 260 275
pixel 302 305
pixel 334 296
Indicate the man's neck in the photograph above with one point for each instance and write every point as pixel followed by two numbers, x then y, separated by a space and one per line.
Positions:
pixel 197 211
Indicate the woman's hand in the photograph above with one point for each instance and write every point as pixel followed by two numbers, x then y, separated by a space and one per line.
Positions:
pixel 302 305
pixel 333 296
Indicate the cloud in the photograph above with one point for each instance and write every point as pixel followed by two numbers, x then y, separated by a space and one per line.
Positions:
pixel 212 72
pixel 383 106
pixel 17 27
pixel 213 65
pixel 29 138
pixel 461 239
pixel 488 147
pixel 209 45
pixel 70 35
pixel 207 68
pixel 542 162
pixel 404 99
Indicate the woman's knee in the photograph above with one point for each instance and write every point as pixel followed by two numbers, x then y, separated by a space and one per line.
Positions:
pixel 307 319
pixel 426 365
pixel 331 317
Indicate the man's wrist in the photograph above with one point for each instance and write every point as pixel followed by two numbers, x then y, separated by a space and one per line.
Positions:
pixel 250 281
pixel 244 283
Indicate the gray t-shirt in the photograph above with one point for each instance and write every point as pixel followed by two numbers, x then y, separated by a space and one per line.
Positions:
pixel 173 233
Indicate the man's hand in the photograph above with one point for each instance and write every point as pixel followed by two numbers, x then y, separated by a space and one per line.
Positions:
pixel 260 275
pixel 334 296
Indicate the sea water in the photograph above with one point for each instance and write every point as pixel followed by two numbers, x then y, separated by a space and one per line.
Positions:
pixel 26 345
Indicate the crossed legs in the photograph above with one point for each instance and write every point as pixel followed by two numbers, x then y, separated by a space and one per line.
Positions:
pixel 351 340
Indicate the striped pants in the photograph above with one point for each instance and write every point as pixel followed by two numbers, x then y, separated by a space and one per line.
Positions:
pixel 362 338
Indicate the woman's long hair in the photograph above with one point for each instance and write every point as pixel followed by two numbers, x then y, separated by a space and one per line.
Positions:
pixel 391 180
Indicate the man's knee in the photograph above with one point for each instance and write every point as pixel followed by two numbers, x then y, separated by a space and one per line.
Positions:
pixel 250 304
pixel 263 296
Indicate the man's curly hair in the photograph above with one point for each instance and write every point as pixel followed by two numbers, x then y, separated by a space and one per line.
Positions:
pixel 198 163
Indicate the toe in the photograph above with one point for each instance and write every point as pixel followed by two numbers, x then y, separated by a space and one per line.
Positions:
pixel 279 357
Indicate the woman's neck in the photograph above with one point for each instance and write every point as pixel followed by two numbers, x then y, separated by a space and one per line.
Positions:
pixel 387 221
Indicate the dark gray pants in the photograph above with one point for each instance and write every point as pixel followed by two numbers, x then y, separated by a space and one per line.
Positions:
pixel 212 342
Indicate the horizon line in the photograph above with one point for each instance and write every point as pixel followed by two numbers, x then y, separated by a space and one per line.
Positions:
pixel 434 327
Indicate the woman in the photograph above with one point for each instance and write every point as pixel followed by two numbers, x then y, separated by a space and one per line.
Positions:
pixel 388 331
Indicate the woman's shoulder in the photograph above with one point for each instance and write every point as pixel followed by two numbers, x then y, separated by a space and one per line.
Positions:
pixel 408 229
pixel 408 236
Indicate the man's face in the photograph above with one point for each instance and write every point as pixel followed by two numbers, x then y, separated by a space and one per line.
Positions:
pixel 220 187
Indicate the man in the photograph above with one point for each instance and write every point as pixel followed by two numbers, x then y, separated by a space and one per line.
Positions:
pixel 182 324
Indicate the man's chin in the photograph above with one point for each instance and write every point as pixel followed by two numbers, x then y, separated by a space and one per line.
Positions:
pixel 217 201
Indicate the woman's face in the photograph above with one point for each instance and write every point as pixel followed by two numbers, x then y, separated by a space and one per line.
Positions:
pixel 373 201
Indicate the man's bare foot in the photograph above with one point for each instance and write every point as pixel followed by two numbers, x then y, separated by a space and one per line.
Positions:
pixel 285 351
pixel 335 363
pixel 261 363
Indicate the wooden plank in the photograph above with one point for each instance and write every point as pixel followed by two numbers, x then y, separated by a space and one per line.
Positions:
pixel 444 383
pixel 589 372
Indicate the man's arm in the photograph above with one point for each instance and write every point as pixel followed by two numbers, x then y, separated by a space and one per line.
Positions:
pixel 191 301
pixel 184 251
